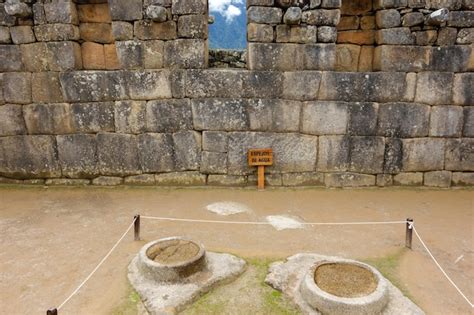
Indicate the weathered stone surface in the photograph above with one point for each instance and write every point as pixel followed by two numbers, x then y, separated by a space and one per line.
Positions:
pixel 94 13
pixel 447 36
pixel 22 34
pixel 192 26
pixel 140 180
pixel 274 115
pixel 11 122
pixel 426 38
pixel 93 86
pixel 321 17
pixel 77 155
pixel 270 180
pixel 367 154
pixel 408 179
pixel 189 7
pixel 10 181
pixel 93 56
pixel 303 85
pixel 156 13
pixel 213 163
pixel 440 179
pixel 122 30
pixel 187 148
pixel 17 87
pixel 126 10
pixel 358 37
pixel 384 180
pixel 51 56
pixel 463 179
pixel 169 115
pixel 292 152
pixel 214 83
pixel 153 54
pixel 403 120
pixel 412 19
pixel 462 89
pixel 261 84
pixel 465 36
pixel 5 18
pixel 423 154
pixel 468 129
pixel 395 36
pixel 363 119
pixel 146 30
pixel 446 121
pixel 388 18
pixel 363 87
pixel 324 118
pixel 393 158
pixel 319 56
pixel 303 179
pixel 5 37
pixel 56 32
pixel 29 157
pixel 461 19
pixel 130 54
pixel 48 118
pixel 117 154
pixel 460 154
pixel 264 15
pixel 130 117
pixel 97 32
pixel 46 87
pixel 185 54
pixel 111 57
pixel 93 117
pixel 61 12
pixel 226 180
pixel 402 58
pixel 232 113
pixel 67 182
pixel 107 181
pixel 181 179
pixel 431 88
pixel 215 141
pixel 292 16
pixel 451 58
pixel 348 180
pixel 333 153
pixel 156 152
pixel 327 34
pixel 262 33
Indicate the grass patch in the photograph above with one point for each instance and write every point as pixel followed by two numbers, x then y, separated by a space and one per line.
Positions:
pixel 388 267
pixel 129 304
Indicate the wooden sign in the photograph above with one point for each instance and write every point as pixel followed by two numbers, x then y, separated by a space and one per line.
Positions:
pixel 260 158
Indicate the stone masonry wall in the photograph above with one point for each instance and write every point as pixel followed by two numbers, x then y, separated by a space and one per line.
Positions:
pixel 74 112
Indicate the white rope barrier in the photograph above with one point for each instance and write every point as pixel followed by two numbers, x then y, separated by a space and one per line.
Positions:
pixel 439 266
pixel 98 266
pixel 268 223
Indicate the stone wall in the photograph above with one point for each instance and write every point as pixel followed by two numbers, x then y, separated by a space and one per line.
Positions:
pixel 74 112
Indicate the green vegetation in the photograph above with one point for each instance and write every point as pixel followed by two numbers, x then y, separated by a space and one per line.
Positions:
pixel 129 304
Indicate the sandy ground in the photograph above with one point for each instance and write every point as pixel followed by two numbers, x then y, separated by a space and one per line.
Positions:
pixel 51 238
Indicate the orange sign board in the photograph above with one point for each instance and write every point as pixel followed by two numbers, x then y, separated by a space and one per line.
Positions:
pixel 260 157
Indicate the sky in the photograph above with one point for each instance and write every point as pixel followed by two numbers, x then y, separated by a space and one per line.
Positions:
pixel 229 9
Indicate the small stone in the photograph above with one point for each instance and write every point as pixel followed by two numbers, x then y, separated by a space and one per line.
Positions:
pixel 156 13
pixel 107 181
pixel 22 34
pixel 181 179
pixel 440 179
pixel 327 34
pixel 292 16
pixel 408 179
pixel 140 180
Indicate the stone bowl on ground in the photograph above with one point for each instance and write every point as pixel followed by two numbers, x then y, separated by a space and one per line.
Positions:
pixel 341 287
pixel 171 259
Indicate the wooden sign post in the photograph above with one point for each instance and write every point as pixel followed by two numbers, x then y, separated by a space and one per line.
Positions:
pixel 260 158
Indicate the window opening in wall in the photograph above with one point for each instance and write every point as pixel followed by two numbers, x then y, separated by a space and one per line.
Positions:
pixel 227 33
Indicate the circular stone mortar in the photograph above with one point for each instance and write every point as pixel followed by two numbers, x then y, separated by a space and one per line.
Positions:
pixel 358 294
pixel 171 259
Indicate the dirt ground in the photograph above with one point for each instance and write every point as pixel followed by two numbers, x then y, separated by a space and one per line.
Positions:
pixel 51 238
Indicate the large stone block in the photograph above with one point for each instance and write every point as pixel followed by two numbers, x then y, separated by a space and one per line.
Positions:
pixel 153 54
pixel 93 56
pixel 29 157
pixel 274 115
pixel 78 155
pixel 185 54
pixel 11 122
pixel 408 179
pixel 262 33
pixel 214 83
pixel 180 179
pixel 462 89
pixel 446 121
pixel 321 17
pixel 324 118
pixel 395 36
pixel 463 179
pixel 403 120
pixel 130 117
pixel 130 54
pixel 156 152
pixel 340 180
pixel 5 18
pixel 363 87
pixel 402 58
pixel 367 155
pixel 118 154
pixel 93 117
pixel 319 56
pixel 61 12
pixel 48 118
pixel 460 154
pixel 301 85
pixel 347 57
pixel 333 153
pixel 94 13
pixel 17 87
pixel 213 163
pixel 51 56
pixel 169 115
pixel 149 84
pixel 292 152
pixel 468 129
pixel 393 158
pixel 146 30
pixel 192 26
pixel 122 30
pixel 437 179
pixel 97 32
pixel 140 180
pixel 46 87
pixel 232 113
pixel 56 32
pixel 126 10
pixel 363 119
pixel 264 15
pixel 303 179
pixel 94 86
pixel 215 141
pixel 261 84
pixel 187 147
pixel 431 88
pixel 423 154
pixel 11 58
pixel 451 58
pixel 189 7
